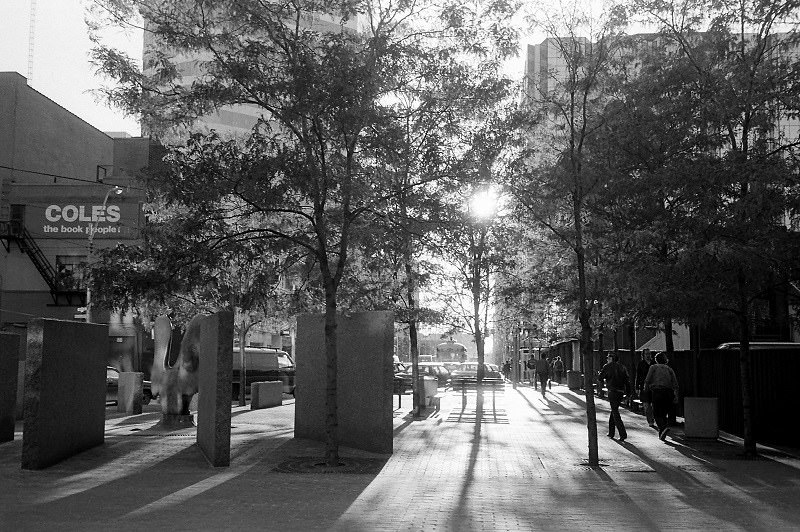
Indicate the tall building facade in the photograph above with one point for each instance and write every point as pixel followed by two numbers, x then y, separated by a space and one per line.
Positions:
pixel 232 120
pixel 66 190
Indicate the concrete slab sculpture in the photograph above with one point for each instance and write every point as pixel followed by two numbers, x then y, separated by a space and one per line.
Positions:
pixel 365 378
pixel 9 356
pixel 65 388
pixel 215 386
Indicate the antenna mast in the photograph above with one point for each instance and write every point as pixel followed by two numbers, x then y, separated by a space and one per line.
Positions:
pixel 31 38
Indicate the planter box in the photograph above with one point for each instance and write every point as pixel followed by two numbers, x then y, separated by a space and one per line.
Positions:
pixel 266 394
pixel 701 417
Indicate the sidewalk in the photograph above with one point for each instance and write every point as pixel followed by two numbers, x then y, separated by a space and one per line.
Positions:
pixel 517 466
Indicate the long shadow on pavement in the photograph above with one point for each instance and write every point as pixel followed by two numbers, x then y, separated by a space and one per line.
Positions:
pixel 728 489
pixel 459 518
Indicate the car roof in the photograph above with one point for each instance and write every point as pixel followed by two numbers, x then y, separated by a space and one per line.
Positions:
pixel 762 345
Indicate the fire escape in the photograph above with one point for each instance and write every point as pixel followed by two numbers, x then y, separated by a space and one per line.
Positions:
pixel 15 231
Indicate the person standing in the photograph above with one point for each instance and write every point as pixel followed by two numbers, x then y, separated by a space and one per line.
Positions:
pixel 619 385
pixel 542 372
pixel 663 386
pixel 644 395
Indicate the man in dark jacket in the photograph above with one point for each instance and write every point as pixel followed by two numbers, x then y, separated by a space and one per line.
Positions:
pixel 542 372
pixel 619 385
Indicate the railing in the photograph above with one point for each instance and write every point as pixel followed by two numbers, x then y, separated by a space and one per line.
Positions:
pixel 15 230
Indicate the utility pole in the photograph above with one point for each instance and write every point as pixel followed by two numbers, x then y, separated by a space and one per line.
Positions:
pixel 92 230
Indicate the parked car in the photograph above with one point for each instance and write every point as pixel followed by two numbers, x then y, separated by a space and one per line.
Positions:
pixel 469 370
pixel 452 366
pixel 402 377
pixel 264 364
pixel 761 345
pixel 435 369
pixel 112 387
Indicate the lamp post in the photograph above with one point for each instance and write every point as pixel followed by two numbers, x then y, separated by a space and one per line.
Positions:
pixel 482 208
pixel 92 229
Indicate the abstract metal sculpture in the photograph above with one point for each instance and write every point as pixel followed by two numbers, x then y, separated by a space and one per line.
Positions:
pixel 176 384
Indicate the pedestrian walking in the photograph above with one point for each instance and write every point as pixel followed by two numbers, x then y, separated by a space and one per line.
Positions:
pixel 531 365
pixel 619 385
pixel 507 369
pixel 663 386
pixel 542 372
pixel 558 369
pixel 644 395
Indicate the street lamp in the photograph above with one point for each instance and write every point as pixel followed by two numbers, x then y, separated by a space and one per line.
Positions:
pixel 92 230
pixel 482 208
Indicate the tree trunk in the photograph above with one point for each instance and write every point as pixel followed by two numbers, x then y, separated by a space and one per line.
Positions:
pixel 418 397
pixel 668 340
pixel 632 339
pixel 477 257
pixel 588 385
pixel 242 367
pixel 586 343
pixel 695 328
pixel 584 315
pixel 332 416
pixel 744 368
pixel 478 333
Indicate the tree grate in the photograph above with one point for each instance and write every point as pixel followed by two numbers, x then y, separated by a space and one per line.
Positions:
pixel 316 465
pixel 700 468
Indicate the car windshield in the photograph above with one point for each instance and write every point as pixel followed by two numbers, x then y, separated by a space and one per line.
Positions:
pixel 285 361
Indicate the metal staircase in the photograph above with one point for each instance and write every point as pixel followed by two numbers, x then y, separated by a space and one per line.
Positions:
pixel 15 231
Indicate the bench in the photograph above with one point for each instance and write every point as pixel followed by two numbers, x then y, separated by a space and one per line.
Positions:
pixel 399 388
pixel 471 383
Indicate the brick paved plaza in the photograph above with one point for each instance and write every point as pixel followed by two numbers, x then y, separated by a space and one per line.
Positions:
pixel 520 465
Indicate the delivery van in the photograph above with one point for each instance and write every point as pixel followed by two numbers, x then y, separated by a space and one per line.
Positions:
pixel 264 364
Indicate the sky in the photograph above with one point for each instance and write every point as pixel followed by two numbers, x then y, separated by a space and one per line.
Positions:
pixel 61 67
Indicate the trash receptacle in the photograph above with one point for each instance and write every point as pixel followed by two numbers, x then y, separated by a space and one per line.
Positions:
pixel 574 379
pixel 429 386
pixel 701 417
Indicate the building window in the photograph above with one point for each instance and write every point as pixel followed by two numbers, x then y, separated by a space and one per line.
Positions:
pixel 70 271
pixel 18 213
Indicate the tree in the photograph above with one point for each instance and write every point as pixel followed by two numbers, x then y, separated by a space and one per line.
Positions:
pixel 736 180
pixel 551 181
pixel 310 173
pixel 304 175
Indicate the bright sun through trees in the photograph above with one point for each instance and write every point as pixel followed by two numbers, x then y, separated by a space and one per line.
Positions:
pixel 484 204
